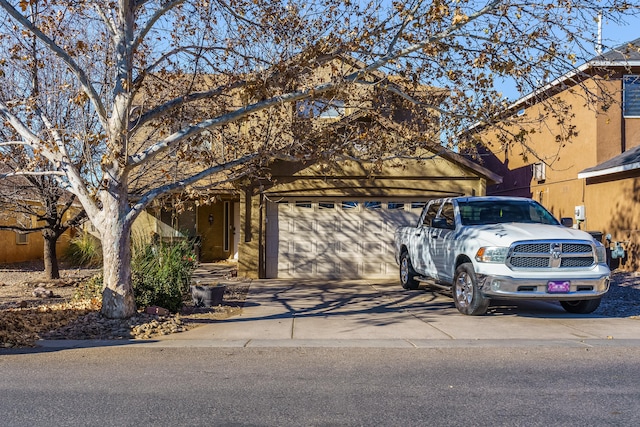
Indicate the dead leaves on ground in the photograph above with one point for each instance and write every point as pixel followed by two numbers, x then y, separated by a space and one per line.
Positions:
pixel 22 327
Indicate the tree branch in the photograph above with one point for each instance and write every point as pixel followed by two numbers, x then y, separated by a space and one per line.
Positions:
pixel 31 139
pixel 147 198
pixel 64 56
pixel 148 26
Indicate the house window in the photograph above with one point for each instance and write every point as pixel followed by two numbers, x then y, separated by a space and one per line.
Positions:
pixel 395 206
pixel 372 205
pixel 326 205
pixel 22 238
pixel 303 205
pixel 349 205
pixel 323 109
pixel 539 172
pixel 631 96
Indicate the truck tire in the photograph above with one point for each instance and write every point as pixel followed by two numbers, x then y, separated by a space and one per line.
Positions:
pixel 584 306
pixel 466 295
pixel 407 273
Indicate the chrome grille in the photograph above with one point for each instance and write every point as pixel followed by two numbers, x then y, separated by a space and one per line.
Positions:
pixel 529 262
pixel 576 262
pixel 551 254
pixel 532 248
pixel 576 248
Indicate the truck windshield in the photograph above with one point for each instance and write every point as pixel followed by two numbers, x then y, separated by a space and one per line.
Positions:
pixel 481 212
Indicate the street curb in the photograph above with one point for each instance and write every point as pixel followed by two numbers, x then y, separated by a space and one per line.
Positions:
pixel 350 343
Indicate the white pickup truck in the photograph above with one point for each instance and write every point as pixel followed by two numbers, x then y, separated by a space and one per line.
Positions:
pixel 485 248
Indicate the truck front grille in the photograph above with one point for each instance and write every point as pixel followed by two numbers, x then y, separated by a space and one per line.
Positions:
pixel 551 254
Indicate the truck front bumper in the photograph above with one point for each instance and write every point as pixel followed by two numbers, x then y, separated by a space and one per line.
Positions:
pixel 503 287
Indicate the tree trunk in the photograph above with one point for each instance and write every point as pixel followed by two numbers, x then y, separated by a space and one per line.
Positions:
pixel 51 269
pixel 118 300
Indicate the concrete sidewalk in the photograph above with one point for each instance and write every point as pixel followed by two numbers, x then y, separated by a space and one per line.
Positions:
pixel 381 314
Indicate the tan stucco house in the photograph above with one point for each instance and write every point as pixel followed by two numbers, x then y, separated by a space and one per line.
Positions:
pixel 313 222
pixel 595 177
pixel 322 219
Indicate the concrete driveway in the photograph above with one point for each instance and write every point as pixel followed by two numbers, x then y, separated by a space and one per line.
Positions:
pixel 376 313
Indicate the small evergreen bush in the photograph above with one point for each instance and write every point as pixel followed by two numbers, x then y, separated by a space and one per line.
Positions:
pixel 161 273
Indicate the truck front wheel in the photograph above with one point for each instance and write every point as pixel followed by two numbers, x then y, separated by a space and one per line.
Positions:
pixel 466 295
pixel 584 306
pixel 407 273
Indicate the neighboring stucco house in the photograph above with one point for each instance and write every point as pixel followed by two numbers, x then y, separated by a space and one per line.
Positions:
pixel 321 219
pixel 18 247
pixel 594 178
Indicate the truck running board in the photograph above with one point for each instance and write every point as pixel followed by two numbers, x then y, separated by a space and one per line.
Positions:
pixel 433 284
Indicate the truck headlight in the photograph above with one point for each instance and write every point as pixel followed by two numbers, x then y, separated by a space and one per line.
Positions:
pixel 601 253
pixel 495 254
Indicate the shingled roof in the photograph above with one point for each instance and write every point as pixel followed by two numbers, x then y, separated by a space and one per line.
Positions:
pixel 629 51
pixel 627 161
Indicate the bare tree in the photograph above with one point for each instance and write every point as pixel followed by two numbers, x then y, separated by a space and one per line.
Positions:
pixel 161 76
pixel 24 199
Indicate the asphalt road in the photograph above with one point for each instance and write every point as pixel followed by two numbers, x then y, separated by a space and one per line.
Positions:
pixel 509 386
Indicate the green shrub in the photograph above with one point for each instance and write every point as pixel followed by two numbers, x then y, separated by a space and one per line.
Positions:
pixel 161 273
pixel 84 250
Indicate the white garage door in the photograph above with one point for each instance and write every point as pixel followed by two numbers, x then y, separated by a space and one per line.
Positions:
pixel 335 238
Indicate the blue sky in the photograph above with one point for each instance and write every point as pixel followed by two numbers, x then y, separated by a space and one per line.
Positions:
pixel 612 35
pixel 618 34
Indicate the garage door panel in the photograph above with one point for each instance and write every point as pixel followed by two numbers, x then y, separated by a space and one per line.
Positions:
pixel 327 268
pixel 351 228
pixel 326 226
pixel 304 248
pixel 377 227
pixel 373 269
pixel 373 248
pixel 325 248
pixel 348 247
pixel 306 267
pixel 302 226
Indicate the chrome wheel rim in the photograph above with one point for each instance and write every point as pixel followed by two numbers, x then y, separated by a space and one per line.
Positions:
pixel 404 270
pixel 464 290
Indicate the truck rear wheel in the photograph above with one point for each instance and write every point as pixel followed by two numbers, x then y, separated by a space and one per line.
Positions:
pixel 584 306
pixel 466 295
pixel 407 273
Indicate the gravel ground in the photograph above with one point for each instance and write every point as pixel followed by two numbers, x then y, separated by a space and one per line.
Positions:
pixel 33 308
pixel 623 298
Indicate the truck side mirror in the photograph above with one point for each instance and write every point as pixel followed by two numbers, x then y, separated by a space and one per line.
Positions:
pixel 567 222
pixel 439 223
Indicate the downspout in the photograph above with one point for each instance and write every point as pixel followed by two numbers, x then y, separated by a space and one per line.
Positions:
pixel 623 133
pixel 262 267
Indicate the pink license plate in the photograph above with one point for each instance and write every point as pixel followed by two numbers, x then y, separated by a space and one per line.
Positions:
pixel 559 287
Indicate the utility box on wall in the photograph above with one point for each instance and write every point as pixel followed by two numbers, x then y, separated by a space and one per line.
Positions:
pixel 580 213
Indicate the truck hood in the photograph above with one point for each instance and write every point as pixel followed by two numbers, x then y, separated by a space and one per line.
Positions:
pixel 507 233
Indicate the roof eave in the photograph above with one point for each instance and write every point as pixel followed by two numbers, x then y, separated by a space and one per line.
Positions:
pixel 609 171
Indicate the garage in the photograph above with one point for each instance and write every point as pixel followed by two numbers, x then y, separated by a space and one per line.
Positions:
pixel 335 238
pixel 308 221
